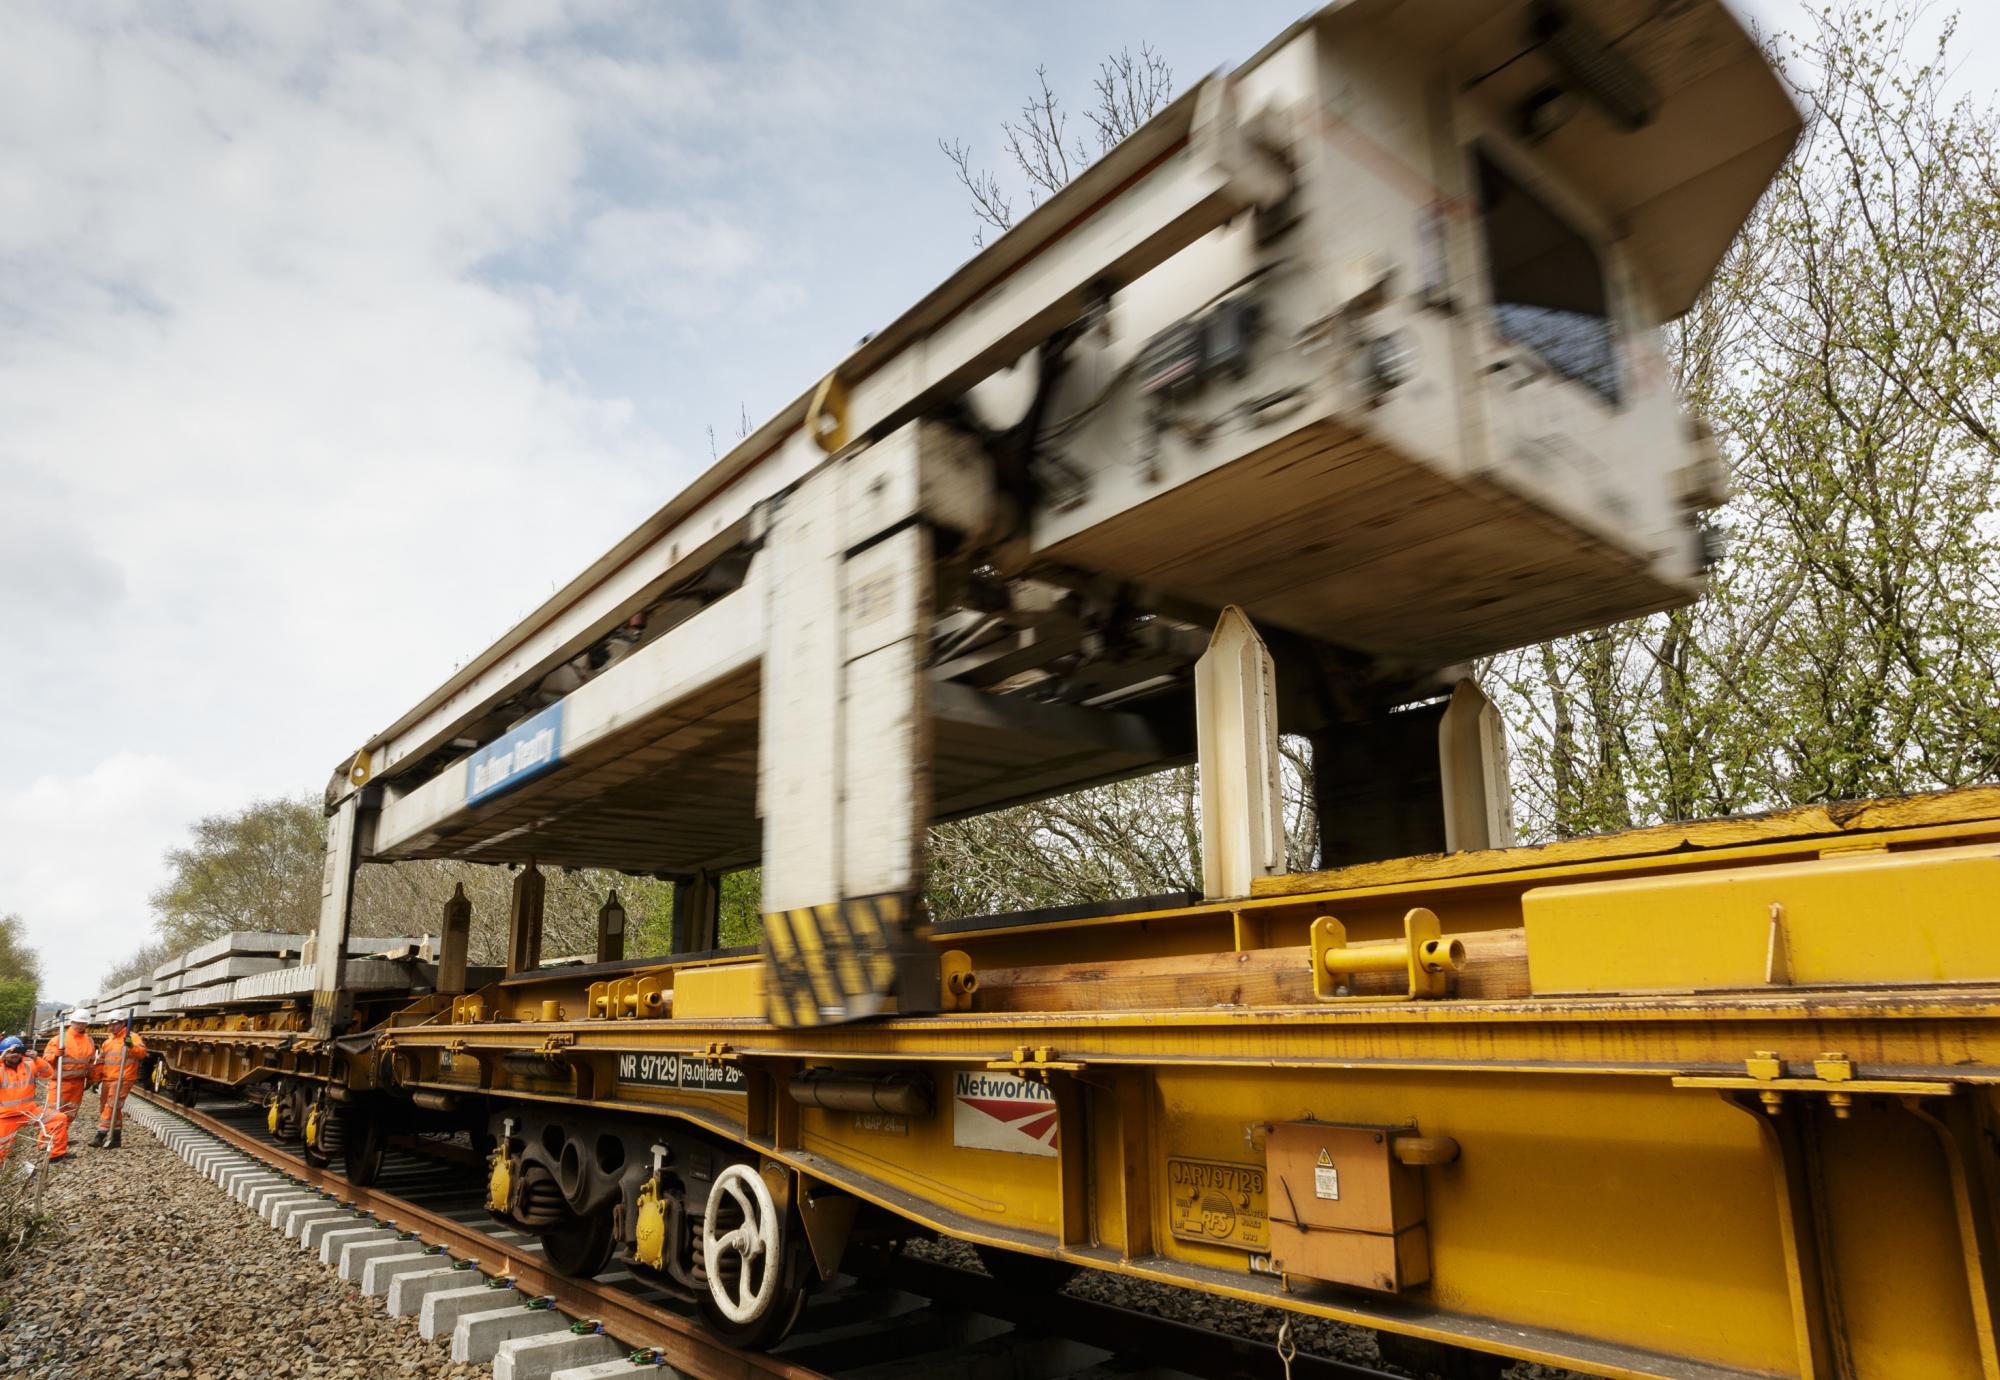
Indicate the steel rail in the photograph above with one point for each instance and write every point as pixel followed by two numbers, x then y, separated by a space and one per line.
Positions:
pixel 1117 1329
pixel 630 1321
pixel 1112 1327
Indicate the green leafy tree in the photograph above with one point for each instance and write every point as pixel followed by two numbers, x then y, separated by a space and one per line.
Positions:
pixel 1848 355
pixel 256 868
pixel 20 975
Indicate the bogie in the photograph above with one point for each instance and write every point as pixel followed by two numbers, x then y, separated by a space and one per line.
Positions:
pixel 669 1201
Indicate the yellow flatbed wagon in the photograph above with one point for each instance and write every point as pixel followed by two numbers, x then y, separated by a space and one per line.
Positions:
pixel 1340 372
pixel 1707 1099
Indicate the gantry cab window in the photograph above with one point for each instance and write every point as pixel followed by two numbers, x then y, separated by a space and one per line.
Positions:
pixel 1548 283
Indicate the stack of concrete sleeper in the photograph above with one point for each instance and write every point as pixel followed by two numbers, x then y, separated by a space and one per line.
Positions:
pixel 252 966
pixel 134 997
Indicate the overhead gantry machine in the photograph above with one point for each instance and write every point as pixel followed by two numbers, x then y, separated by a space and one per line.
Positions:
pixel 1358 340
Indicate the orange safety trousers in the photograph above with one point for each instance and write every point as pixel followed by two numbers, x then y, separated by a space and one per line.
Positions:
pixel 18 1109
pixel 116 1070
pixel 78 1053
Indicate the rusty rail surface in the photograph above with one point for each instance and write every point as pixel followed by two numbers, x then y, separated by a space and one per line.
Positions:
pixel 631 1321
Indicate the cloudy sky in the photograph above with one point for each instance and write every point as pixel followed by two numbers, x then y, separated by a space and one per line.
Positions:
pixel 333 338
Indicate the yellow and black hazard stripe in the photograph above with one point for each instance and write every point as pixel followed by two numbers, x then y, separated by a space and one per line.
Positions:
pixel 836 962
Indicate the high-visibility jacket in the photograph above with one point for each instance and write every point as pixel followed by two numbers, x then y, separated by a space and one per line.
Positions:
pixel 116 1070
pixel 17 1106
pixel 118 1062
pixel 78 1053
pixel 17 1085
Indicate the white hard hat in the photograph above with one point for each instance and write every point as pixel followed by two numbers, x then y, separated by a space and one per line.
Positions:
pixel 79 1017
pixel 114 1017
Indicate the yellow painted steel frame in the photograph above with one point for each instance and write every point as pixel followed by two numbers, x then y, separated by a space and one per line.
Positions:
pixel 238 1049
pixel 1747 1181
pixel 238 1059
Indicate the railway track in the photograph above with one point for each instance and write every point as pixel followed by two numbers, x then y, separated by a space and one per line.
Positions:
pixel 420 1237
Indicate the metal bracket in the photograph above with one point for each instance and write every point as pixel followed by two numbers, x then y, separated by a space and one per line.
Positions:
pixel 827 1215
pixel 1833 1078
pixel 957 982
pixel 826 414
pixel 1426 958
pixel 1036 1062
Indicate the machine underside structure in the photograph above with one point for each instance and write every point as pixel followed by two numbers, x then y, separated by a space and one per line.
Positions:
pixel 1339 374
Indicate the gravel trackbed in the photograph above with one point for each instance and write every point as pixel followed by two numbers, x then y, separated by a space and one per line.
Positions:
pixel 149 1272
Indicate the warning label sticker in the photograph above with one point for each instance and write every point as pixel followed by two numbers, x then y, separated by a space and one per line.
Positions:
pixel 1001 1111
pixel 1326 1178
pixel 1220 1203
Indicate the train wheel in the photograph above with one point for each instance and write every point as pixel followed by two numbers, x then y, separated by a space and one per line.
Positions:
pixel 321 1128
pixel 1025 1274
pixel 580 1246
pixel 366 1139
pixel 750 1301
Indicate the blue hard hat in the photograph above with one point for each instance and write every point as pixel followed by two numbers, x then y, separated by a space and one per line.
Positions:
pixel 10 1044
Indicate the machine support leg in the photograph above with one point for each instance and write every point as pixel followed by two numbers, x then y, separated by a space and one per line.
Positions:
pixel 697 913
pixel 1424 778
pixel 332 1003
pixel 1376 789
pixel 844 751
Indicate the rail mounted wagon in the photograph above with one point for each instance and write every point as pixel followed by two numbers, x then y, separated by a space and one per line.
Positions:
pixel 1340 372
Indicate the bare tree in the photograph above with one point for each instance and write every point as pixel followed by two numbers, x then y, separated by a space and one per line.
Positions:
pixel 1128 90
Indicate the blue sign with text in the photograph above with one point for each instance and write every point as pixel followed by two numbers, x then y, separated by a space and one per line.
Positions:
pixel 526 750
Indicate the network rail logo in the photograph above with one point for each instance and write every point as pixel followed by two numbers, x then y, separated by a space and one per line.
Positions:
pixel 1000 1111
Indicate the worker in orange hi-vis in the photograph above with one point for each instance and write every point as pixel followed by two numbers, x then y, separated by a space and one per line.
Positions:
pixel 72 1052
pixel 116 1070
pixel 18 1071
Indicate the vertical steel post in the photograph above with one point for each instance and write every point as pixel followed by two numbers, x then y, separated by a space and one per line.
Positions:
pixel 1472 768
pixel 333 1005
pixel 457 938
pixel 610 930
pixel 1236 731
pixel 524 921
pixel 697 913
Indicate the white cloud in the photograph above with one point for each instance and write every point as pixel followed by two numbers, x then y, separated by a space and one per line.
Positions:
pixel 272 440
pixel 81 855
pixel 680 264
pixel 332 338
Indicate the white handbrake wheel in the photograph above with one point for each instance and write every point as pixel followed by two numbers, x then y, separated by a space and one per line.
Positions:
pixel 743 1263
